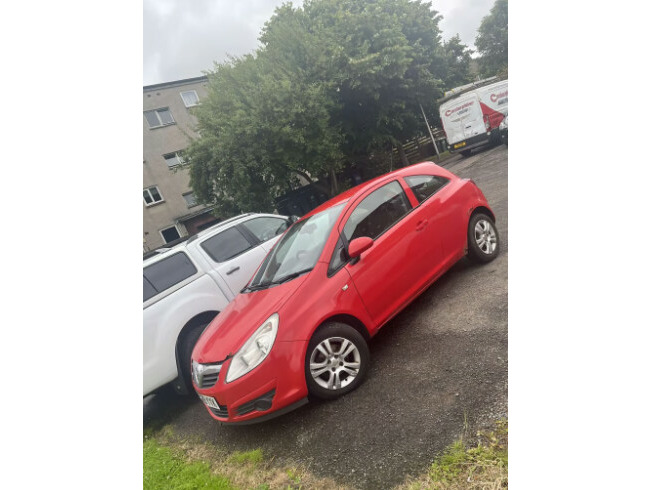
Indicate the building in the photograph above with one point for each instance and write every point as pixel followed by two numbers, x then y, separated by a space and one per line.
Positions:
pixel 170 211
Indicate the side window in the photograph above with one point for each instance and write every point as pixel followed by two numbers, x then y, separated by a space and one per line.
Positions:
pixel 226 245
pixel 377 212
pixel 425 186
pixel 265 228
pixel 164 274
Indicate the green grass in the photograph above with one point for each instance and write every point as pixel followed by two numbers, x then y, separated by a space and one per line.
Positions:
pixel 163 470
pixel 253 457
pixel 484 466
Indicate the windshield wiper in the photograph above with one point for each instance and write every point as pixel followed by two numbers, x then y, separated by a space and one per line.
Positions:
pixel 286 278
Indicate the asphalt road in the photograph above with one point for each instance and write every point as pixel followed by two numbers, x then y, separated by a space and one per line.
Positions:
pixel 438 367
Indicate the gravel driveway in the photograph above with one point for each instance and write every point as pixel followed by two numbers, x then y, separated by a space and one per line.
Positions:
pixel 438 366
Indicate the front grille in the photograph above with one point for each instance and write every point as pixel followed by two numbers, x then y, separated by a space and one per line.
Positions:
pixel 260 404
pixel 209 380
pixel 205 375
pixel 222 412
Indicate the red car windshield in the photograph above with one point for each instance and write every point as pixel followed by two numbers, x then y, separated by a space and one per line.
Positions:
pixel 297 251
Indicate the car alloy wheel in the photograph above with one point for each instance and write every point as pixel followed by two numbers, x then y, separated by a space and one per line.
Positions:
pixel 482 238
pixel 336 361
pixel 485 236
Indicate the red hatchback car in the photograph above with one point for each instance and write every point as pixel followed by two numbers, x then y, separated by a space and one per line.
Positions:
pixel 302 325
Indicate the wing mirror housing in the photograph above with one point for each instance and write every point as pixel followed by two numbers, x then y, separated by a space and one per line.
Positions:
pixel 359 245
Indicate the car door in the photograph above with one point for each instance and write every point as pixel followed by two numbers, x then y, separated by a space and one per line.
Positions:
pixel 388 273
pixel 234 256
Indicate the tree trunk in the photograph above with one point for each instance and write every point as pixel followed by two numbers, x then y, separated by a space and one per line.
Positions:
pixel 402 154
pixel 334 183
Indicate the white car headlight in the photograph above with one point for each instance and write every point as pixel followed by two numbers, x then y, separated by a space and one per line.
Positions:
pixel 255 350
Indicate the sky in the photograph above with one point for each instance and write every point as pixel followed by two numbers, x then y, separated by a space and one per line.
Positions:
pixel 183 38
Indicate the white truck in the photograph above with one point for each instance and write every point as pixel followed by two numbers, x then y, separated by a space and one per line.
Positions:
pixel 471 114
pixel 186 286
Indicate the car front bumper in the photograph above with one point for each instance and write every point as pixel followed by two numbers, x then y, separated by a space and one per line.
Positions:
pixel 274 387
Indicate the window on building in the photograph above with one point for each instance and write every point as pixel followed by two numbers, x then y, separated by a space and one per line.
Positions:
pixel 190 199
pixel 159 117
pixel 152 196
pixel 174 159
pixel 190 98
pixel 425 186
pixel 170 234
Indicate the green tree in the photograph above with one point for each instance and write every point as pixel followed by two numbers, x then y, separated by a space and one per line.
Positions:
pixel 492 40
pixel 457 63
pixel 333 83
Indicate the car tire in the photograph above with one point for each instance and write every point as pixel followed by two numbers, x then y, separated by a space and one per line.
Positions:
pixel 185 354
pixel 482 239
pixel 345 365
pixel 466 153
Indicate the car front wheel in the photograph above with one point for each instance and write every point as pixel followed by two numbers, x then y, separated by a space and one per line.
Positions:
pixel 336 361
pixel 482 238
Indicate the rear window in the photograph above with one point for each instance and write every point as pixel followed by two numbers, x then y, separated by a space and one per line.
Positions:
pixel 226 245
pixel 425 186
pixel 168 272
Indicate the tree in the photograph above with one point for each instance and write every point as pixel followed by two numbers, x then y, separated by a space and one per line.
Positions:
pixel 333 83
pixel 492 40
pixel 457 63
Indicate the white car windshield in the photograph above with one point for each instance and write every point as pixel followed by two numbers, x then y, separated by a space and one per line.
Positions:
pixel 297 251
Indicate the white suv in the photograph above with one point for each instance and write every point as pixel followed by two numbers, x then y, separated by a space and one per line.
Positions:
pixel 189 284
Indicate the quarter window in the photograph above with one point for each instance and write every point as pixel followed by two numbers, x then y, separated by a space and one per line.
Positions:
pixel 190 98
pixel 168 272
pixel 174 159
pixel 226 245
pixel 265 228
pixel 152 195
pixel 424 186
pixel 377 212
pixel 159 117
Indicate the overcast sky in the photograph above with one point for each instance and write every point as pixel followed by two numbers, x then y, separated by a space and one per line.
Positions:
pixel 183 38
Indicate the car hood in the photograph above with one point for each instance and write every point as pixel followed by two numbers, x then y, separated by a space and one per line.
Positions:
pixel 239 320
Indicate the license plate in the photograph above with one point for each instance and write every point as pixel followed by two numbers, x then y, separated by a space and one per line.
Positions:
pixel 210 402
pixel 459 145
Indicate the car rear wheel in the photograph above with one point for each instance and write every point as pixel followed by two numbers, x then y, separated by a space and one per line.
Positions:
pixel 482 238
pixel 336 361
pixel 466 153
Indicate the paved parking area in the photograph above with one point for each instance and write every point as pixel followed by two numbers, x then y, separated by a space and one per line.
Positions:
pixel 437 366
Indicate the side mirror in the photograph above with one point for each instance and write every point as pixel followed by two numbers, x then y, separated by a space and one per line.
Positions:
pixel 359 245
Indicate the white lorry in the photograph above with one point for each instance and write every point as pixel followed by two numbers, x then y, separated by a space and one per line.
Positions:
pixel 186 286
pixel 471 114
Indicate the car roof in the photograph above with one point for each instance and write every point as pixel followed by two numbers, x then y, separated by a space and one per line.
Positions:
pixel 208 231
pixel 352 193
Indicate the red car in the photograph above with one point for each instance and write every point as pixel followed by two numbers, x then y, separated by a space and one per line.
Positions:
pixel 302 325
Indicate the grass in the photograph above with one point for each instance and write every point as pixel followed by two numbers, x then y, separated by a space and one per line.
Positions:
pixel 163 469
pixel 175 463
pixel 172 462
pixel 484 466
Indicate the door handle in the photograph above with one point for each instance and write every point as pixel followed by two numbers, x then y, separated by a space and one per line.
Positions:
pixel 234 269
pixel 421 225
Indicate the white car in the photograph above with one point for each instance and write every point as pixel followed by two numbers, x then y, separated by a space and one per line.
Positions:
pixel 185 287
